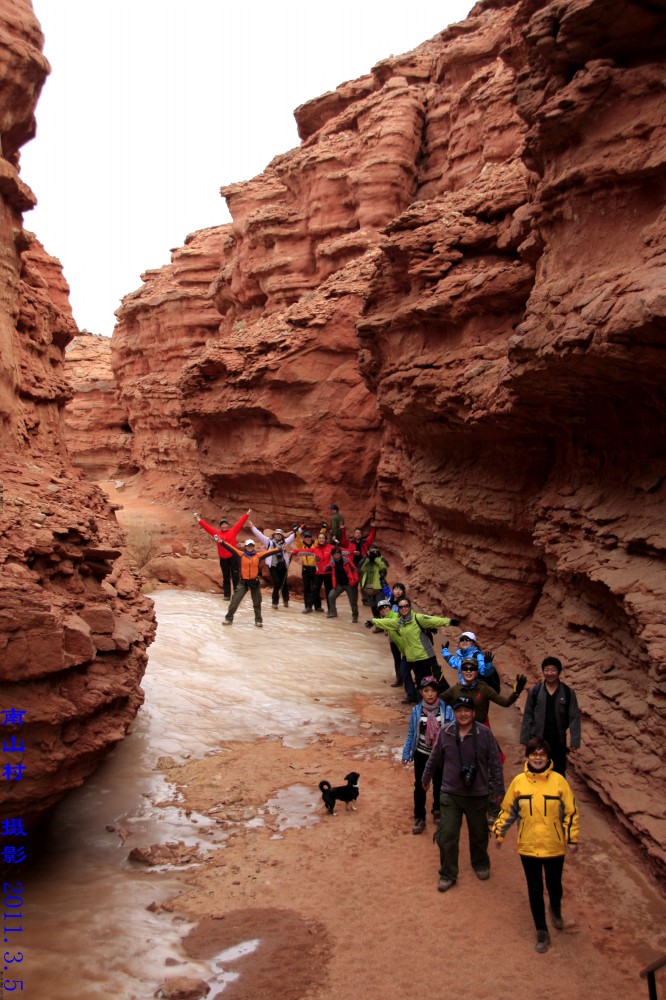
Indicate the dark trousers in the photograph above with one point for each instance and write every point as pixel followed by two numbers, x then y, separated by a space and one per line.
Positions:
pixel 308 574
pixel 280 585
pixel 558 754
pixel 352 594
pixel 239 593
pixel 397 657
pixel 420 761
pixel 535 869
pixel 408 680
pixel 452 810
pixel 230 572
pixel 327 580
pixel 424 668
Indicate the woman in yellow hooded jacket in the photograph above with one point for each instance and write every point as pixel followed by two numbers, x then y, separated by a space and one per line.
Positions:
pixel 544 805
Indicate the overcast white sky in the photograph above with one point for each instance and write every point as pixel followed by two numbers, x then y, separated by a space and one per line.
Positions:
pixel 153 105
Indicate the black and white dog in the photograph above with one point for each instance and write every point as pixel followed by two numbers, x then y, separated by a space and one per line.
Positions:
pixel 341 793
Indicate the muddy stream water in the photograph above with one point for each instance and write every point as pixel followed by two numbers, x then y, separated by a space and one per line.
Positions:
pixel 88 932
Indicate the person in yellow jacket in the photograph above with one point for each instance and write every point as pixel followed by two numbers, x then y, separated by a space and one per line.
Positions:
pixel 544 805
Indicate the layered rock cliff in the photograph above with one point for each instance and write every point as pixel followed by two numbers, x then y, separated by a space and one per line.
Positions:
pixel 449 302
pixel 96 427
pixel 73 626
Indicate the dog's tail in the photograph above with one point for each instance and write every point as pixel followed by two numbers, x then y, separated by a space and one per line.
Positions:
pixel 324 786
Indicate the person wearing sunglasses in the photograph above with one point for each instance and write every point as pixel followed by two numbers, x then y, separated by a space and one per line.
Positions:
pixel 542 802
pixel 468 647
pixel 481 693
pixel 412 633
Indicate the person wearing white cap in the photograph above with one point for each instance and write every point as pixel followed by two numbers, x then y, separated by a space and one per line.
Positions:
pixel 249 578
pixel 468 649
pixel 278 564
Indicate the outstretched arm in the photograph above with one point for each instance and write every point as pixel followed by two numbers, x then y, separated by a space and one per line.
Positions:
pixel 206 527
pixel 231 548
pixel 239 523
pixel 264 539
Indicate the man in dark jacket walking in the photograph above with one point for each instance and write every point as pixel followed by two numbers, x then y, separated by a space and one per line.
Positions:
pixel 552 709
pixel 467 754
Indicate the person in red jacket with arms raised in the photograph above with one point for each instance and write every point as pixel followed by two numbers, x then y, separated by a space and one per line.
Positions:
pixel 229 561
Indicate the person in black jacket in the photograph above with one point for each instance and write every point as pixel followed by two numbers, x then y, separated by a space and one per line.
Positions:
pixel 552 709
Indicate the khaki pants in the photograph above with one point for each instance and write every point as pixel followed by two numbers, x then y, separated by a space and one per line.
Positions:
pixel 239 593
pixel 452 809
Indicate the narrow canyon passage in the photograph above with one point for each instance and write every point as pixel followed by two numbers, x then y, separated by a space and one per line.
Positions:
pixel 276 898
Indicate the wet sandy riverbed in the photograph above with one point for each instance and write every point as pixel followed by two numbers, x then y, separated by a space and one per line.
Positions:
pixel 280 900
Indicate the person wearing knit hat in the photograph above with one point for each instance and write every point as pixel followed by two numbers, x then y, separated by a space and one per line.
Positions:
pixel 229 563
pixel 425 722
pixel 551 710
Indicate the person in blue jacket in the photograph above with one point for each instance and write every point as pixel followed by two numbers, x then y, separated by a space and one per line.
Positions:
pixel 425 722
pixel 468 649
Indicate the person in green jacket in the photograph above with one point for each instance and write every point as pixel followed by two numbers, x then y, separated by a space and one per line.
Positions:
pixel 410 634
pixel 372 576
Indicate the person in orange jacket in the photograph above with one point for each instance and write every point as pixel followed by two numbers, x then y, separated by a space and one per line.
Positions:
pixel 249 578
pixel 229 561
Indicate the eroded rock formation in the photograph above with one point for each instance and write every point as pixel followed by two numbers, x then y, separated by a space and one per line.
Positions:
pixel 96 427
pixel 73 626
pixel 449 300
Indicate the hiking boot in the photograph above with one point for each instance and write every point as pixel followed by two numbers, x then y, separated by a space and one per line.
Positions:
pixel 397 683
pixel 332 614
pixel 542 942
pixel 275 607
pixel 228 621
pixel 419 826
pixel 445 884
pixel 319 610
pixel 556 917
pixel 307 611
pixel 483 874
pixel 259 624
pixel 285 604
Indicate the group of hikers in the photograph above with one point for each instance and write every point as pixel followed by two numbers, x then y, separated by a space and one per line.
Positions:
pixel 449 740
pixel 331 563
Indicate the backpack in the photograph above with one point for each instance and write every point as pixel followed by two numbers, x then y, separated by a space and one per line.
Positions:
pixel 279 555
pixel 429 632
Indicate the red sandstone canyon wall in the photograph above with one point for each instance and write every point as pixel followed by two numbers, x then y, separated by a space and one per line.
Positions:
pixel 448 301
pixel 97 431
pixel 73 625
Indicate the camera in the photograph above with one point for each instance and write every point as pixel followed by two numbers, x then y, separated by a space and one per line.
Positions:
pixel 468 774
